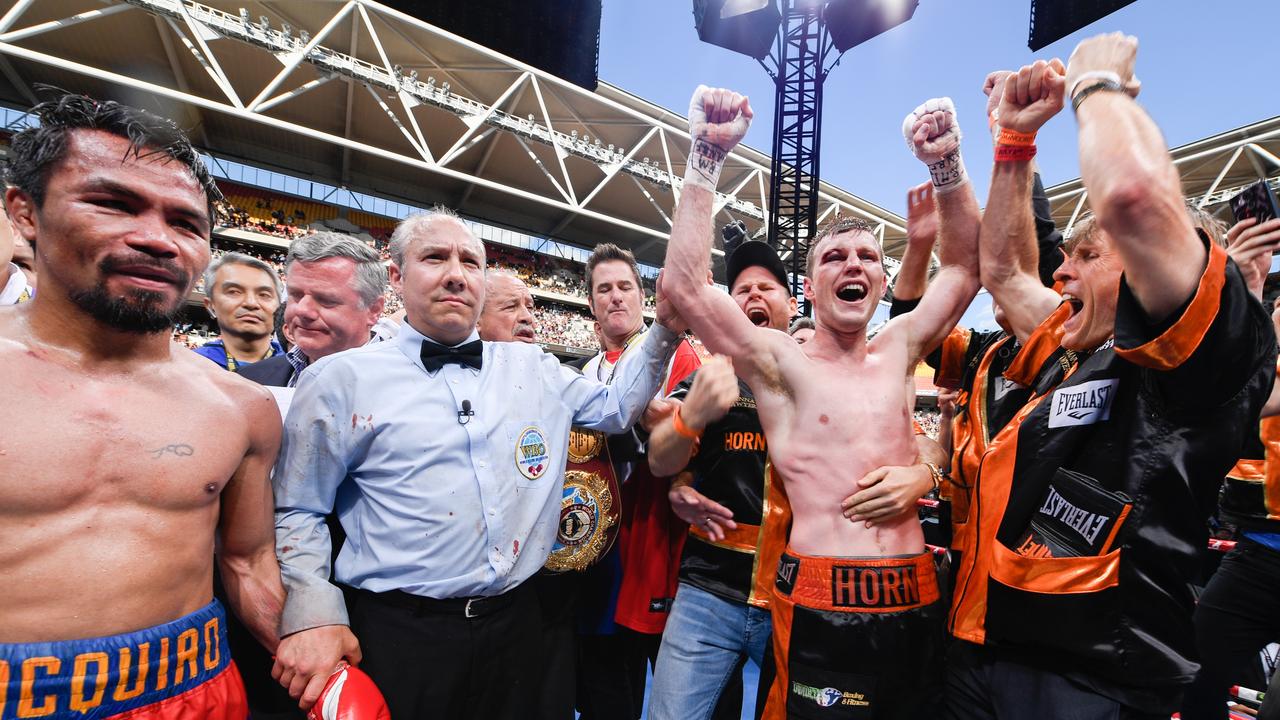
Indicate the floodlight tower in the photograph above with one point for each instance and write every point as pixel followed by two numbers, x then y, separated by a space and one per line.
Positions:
pixel 797 42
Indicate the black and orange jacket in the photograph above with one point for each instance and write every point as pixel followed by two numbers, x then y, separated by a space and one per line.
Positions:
pixel 731 467
pixel 1155 418
pixel 1251 494
pixel 974 363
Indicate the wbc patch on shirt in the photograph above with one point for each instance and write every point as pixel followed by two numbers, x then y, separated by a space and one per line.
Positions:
pixel 531 453
pixel 1083 404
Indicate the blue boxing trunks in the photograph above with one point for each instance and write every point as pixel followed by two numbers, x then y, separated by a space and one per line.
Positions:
pixel 176 671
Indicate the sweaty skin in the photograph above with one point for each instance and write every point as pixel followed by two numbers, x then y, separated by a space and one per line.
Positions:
pixel 834 408
pixel 126 455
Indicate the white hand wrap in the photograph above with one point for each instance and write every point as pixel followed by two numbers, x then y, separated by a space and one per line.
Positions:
pixel 941 153
pixel 706 159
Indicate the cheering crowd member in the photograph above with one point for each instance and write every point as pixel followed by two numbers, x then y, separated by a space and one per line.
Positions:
pixel 1238 613
pixel 1088 509
pixel 242 293
pixel 973 362
pixel 623 600
pixel 857 617
pixel 113 493
pixel 720 616
pixel 335 287
pixel 417 437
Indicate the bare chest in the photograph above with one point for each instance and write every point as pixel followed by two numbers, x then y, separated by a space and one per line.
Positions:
pixel 846 419
pixel 72 440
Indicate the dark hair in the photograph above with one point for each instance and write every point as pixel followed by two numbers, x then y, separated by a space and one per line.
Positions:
pixel 34 152
pixel 835 227
pixel 608 252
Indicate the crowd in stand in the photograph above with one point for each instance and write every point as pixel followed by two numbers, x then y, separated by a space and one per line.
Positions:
pixel 279 225
pixel 564 325
pixel 929 419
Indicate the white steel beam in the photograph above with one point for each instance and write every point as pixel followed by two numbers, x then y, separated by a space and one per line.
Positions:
pixel 547 173
pixel 209 63
pixel 475 121
pixel 559 151
pixel 296 58
pixel 15 35
pixel 282 97
pixel 424 148
pixel 1216 181
pixel 1264 154
pixel 399 125
pixel 126 81
pixel 652 202
pixel 14 13
pixel 612 170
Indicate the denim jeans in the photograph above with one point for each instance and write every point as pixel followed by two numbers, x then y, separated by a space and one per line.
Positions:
pixel 704 640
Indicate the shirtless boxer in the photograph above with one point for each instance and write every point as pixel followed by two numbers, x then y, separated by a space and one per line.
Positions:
pixel 135 457
pixel 857 620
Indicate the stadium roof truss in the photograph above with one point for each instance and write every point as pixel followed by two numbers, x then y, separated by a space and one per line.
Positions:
pixel 1213 170
pixel 363 96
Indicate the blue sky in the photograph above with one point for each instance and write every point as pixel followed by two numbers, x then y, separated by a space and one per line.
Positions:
pixel 1204 69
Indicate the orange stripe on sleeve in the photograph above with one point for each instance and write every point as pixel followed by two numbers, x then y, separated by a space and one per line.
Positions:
pixel 1175 345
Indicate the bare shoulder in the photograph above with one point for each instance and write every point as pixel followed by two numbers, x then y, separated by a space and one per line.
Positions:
pixel 216 383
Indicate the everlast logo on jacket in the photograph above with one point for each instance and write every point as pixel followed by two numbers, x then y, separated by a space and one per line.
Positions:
pixel 1082 404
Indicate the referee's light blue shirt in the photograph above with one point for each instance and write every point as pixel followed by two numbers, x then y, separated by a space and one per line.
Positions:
pixel 432 506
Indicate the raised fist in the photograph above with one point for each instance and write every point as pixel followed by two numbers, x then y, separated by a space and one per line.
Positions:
pixel 993 88
pixel 718 116
pixel 1032 95
pixel 933 136
pixel 714 391
pixel 931 130
pixel 1102 55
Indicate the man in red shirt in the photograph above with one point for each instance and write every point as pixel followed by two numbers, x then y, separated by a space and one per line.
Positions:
pixel 626 596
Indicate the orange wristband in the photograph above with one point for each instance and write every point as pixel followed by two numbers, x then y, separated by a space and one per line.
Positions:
pixel 684 430
pixel 1013 137
pixel 1014 153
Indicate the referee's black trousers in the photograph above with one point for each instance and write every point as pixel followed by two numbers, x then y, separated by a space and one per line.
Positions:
pixel 445 659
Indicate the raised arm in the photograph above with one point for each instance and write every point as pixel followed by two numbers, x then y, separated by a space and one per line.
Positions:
pixel 933 135
pixel 718 120
pixel 615 407
pixel 922 233
pixel 1134 188
pixel 1009 257
pixel 246 529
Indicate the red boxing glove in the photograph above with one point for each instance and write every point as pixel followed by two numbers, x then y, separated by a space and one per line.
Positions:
pixel 349 695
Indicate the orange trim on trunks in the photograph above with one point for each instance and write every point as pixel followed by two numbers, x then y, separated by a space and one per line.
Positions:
pixel 862 584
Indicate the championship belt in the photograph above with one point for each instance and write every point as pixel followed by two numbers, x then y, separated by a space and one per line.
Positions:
pixel 590 509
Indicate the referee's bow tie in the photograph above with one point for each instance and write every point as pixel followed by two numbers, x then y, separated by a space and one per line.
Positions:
pixel 436 356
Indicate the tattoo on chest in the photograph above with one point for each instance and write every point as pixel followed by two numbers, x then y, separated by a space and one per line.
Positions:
pixel 179 450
